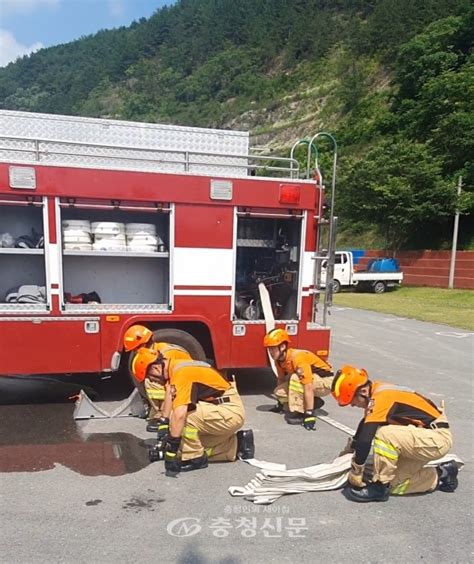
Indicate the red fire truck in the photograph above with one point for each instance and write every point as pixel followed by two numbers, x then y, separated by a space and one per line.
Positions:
pixel 104 224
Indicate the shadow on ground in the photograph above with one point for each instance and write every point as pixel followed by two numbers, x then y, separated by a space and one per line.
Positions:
pixel 54 388
pixel 255 381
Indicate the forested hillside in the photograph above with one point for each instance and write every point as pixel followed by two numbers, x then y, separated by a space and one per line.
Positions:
pixel 393 80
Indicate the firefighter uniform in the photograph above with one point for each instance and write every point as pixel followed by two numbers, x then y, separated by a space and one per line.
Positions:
pixel 302 367
pixel 215 410
pixel 155 392
pixel 407 430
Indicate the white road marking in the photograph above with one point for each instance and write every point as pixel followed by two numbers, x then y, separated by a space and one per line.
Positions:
pixel 454 334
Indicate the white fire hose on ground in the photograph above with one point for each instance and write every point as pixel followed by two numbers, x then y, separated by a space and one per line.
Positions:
pixel 271 484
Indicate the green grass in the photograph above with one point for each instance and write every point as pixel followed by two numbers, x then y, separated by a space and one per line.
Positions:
pixel 437 305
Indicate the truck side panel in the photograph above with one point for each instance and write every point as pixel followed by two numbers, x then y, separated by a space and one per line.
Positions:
pixel 44 345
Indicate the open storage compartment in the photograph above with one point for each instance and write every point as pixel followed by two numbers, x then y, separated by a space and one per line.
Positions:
pixel 268 251
pixel 22 259
pixel 127 261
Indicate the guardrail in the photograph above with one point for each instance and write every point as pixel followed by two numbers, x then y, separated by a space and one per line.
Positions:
pixel 56 151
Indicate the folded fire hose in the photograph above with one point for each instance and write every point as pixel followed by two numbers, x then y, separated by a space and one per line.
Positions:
pixel 274 480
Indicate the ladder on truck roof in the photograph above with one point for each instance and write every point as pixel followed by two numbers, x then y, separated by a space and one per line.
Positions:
pixel 326 242
pixel 111 144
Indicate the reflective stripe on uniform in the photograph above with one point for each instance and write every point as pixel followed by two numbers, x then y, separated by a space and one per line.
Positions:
pixel 155 394
pixel 393 388
pixel 296 387
pixel 385 449
pixel 401 488
pixel 187 363
pixel 190 433
pixel 164 350
pixel 208 451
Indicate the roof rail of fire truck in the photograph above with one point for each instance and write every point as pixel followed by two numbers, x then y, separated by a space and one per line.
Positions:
pixel 79 153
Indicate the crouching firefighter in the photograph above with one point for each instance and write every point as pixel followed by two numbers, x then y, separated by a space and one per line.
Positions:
pixel 136 337
pixel 303 378
pixel 407 430
pixel 206 416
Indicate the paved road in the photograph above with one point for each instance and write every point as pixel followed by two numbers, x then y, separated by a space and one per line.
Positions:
pixel 87 494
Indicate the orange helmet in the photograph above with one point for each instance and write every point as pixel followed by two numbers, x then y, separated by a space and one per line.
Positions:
pixel 276 337
pixel 142 360
pixel 136 336
pixel 346 383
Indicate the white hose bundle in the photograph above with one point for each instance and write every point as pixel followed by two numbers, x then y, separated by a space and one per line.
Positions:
pixel 270 484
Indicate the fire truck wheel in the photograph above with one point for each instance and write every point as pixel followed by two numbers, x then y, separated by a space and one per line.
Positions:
pixel 181 338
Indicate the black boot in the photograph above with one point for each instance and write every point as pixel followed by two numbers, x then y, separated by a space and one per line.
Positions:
pixel 448 476
pixel 194 463
pixel 152 425
pixel 318 403
pixel 373 491
pixel 294 418
pixel 245 444
pixel 278 408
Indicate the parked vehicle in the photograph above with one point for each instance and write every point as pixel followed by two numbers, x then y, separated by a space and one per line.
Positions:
pixel 104 224
pixel 380 274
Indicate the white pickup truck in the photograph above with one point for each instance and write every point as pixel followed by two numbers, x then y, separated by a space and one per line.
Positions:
pixel 380 274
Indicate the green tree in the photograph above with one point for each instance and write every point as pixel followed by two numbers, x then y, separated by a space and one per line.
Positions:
pixel 398 187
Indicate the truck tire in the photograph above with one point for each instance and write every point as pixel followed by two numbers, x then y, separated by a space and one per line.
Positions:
pixel 336 286
pixel 183 339
pixel 379 287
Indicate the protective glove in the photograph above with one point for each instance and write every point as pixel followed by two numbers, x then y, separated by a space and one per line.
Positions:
pixel 309 421
pixel 163 427
pixel 172 464
pixel 349 448
pixel 356 475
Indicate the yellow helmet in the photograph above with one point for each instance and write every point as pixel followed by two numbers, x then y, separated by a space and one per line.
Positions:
pixel 276 337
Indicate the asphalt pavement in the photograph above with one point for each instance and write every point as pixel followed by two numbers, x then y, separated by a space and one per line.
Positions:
pixel 85 492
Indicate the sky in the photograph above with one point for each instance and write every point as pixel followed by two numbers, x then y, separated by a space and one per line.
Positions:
pixel 29 25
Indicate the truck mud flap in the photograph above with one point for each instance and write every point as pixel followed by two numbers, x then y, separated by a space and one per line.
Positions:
pixel 85 408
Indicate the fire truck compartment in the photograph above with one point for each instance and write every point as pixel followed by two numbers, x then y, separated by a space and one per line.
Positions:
pixel 22 261
pixel 268 251
pixel 118 269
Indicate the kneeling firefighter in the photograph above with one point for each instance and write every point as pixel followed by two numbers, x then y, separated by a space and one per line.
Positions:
pixel 302 377
pixel 206 416
pixel 407 429
pixel 136 337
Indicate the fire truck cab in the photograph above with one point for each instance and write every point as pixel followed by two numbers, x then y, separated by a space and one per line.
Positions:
pixel 104 224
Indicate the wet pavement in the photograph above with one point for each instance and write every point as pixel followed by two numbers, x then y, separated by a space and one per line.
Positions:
pixel 34 438
pixel 38 430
